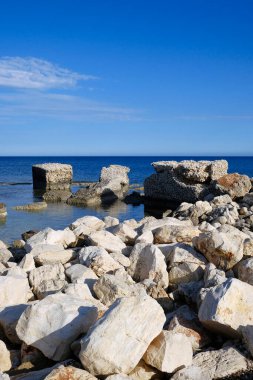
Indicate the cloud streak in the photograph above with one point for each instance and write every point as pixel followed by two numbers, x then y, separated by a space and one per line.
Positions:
pixel 34 73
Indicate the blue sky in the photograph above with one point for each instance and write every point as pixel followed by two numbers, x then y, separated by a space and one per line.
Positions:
pixel 126 77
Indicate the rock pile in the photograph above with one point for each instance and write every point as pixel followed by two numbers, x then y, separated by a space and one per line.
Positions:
pixel 139 300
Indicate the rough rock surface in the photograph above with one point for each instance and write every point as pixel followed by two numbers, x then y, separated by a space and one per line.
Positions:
pixel 102 355
pixel 228 307
pixel 148 262
pixel 106 240
pixel 234 184
pixel 5 358
pixel 8 297
pixel 169 352
pixel 52 324
pixel 98 259
pixel 185 181
pixel 113 184
pixel 36 206
pixel 50 236
pixel 69 373
pixel 52 176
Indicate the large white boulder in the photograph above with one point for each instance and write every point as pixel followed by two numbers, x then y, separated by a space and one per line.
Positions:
pixel 64 238
pixel 52 324
pixel 119 339
pixel 92 222
pixel 13 290
pixel 228 307
pixel 81 274
pixel 106 240
pixel 5 357
pixel 148 262
pixel 98 259
pixel 69 373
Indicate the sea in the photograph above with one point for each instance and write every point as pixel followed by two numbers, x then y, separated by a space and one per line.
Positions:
pixel 16 189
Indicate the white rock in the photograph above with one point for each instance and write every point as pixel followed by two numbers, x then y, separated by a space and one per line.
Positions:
pixel 169 351
pixel 52 324
pixel 55 257
pixel 148 262
pixel 133 322
pixel 121 259
pixel 153 224
pixel 98 259
pixel 5 357
pixel 126 233
pixel 146 237
pixel 81 274
pixel 69 373
pixel 27 263
pixel 106 240
pixel 110 221
pixel 2 245
pixel 92 222
pixel 112 286
pixel 5 255
pixel 14 290
pixel 228 307
pixel 120 376
pixel 172 234
pixel 222 249
pixel 47 279
pixel 49 236
pixel 9 317
pixel 144 372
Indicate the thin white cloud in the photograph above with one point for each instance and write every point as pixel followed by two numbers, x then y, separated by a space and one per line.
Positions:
pixel 34 73
pixel 31 106
pixel 214 117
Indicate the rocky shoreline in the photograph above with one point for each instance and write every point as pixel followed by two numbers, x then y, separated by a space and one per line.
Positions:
pixel 168 298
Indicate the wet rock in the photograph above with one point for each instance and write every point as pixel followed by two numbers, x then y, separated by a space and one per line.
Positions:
pixel 102 355
pixel 3 211
pixel 52 324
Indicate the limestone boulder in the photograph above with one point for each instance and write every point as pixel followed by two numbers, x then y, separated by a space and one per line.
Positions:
pixel 145 372
pixel 169 352
pixel 125 232
pixel 106 240
pixel 47 279
pixel 27 263
pixel 62 256
pixel 81 274
pixel 5 255
pixel 148 262
pixel 228 307
pixel 52 324
pixel 91 222
pixel 98 259
pixel 5 357
pixel 234 184
pixel 120 376
pixel 14 290
pixel 52 176
pixel 69 373
pixel 133 322
pixel 64 238
pixel 223 249
pixel 173 234
pixel 110 221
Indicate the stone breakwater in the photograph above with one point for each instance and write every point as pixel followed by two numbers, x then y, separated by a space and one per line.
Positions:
pixel 168 298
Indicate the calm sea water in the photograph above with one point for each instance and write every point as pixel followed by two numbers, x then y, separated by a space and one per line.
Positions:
pixel 16 189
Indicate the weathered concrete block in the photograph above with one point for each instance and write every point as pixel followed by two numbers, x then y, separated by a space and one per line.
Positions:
pixel 52 176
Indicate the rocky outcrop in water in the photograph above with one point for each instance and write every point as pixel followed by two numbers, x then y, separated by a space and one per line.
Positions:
pixel 52 176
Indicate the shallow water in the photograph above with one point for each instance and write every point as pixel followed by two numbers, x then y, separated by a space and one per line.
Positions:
pixel 18 170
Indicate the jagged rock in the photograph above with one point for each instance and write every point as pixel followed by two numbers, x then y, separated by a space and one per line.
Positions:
pixel 144 372
pixel 36 206
pixel 234 184
pixel 222 249
pixel 169 351
pixel 113 184
pixel 14 290
pixel 52 176
pixel 98 259
pixel 216 364
pixel 227 307
pixel 80 274
pixel 172 234
pixel 148 262
pixel 159 294
pixel 248 199
pixel 4 376
pixel 213 276
pixel 5 357
pixel 47 279
pixel 112 286
pixel 49 236
pixel 245 270
pixel 62 256
pixel 5 255
pixel 102 355
pixel 126 233
pixel 27 263
pixel 52 324
pixel 185 264
pixel 147 237
pixel 121 258
pixel 92 222
pixel 110 221
pixel 9 317
pixel 69 373
pixel 106 240
pixel 185 181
